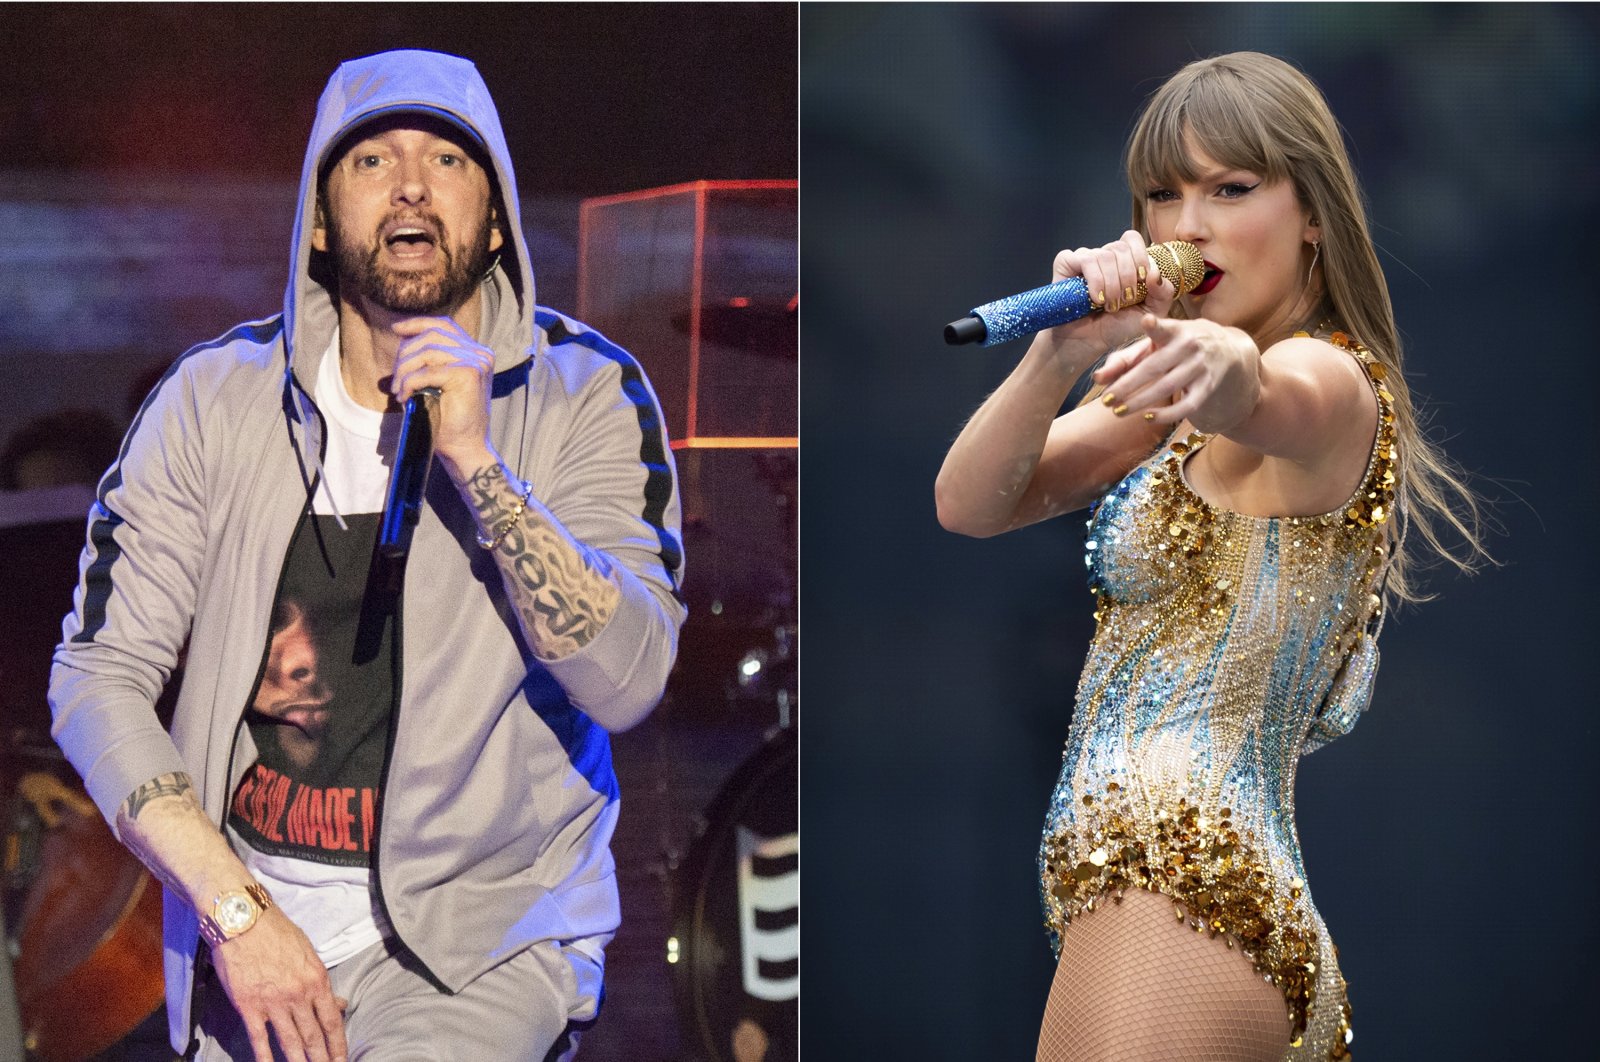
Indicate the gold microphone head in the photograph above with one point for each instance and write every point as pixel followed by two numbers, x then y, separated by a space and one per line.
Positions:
pixel 1181 263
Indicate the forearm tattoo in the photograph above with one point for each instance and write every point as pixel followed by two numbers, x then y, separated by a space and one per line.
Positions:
pixel 563 591
pixel 175 784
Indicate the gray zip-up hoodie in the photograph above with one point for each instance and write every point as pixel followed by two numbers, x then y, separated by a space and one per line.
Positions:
pixel 499 797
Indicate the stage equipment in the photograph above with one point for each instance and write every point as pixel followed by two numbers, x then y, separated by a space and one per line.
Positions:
pixel 10 1022
pixel 699 282
pixel 736 920
pixel 88 965
pixel 85 916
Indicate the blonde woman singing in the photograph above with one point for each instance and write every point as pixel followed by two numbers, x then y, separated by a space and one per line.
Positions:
pixel 1251 457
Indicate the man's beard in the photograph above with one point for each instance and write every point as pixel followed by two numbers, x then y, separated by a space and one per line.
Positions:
pixel 435 292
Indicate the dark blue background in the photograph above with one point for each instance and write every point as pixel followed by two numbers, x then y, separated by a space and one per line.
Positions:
pixel 947 153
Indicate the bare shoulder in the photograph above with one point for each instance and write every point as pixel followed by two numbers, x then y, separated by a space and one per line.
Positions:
pixel 1321 360
pixel 1335 394
pixel 1309 442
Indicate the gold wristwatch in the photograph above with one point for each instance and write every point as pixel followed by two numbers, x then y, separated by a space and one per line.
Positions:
pixel 234 912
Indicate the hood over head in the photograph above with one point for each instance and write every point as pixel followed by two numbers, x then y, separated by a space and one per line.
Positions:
pixel 443 87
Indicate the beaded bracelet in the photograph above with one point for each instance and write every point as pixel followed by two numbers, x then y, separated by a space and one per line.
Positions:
pixel 516 514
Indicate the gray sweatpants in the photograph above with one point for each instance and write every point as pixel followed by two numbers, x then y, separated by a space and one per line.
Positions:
pixel 517 1012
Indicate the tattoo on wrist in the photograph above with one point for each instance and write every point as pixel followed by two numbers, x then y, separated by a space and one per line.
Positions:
pixel 175 784
pixel 563 589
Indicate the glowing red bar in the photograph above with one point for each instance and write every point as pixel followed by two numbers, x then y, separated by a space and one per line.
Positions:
pixel 738 442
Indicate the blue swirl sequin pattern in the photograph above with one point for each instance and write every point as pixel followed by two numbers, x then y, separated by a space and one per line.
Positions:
pixel 1227 646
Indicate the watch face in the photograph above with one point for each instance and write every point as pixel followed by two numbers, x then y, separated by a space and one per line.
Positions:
pixel 235 913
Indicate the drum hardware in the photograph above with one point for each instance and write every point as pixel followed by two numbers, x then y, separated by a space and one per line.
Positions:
pixel 20 868
pixel 10 1021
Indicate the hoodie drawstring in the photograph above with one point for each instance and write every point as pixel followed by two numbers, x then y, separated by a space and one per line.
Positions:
pixel 318 473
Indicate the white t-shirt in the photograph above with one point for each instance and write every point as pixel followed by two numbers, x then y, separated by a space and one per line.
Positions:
pixel 335 906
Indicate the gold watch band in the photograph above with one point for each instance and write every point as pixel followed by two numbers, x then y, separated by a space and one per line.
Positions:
pixel 213 932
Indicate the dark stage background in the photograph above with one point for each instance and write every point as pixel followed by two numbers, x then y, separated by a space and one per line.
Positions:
pixel 950 151
pixel 149 156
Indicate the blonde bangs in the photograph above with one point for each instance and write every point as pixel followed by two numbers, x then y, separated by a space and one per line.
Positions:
pixel 1214 111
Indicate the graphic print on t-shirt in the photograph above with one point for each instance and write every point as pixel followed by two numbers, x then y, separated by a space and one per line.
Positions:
pixel 320 712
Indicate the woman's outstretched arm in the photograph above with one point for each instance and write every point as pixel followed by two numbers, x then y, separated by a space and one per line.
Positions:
pixel 1016 462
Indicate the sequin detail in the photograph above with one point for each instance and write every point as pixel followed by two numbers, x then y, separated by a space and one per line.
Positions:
pixel 1227 647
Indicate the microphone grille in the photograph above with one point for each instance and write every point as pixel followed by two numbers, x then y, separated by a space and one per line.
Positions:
pixel 1181 263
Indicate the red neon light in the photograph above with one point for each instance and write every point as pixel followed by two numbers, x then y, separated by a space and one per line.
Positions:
pixel 696 293
pixel 697 289
pixel 687 187
pixel 738 442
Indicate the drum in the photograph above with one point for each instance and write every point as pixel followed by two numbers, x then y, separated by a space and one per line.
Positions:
pixel 88 966
pixel 736 915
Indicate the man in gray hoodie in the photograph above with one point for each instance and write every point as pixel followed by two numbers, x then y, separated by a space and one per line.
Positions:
pixel 386 799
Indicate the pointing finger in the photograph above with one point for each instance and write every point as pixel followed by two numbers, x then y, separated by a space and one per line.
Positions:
pixel 1120 361
pixel 1158 329
pixel 1156 395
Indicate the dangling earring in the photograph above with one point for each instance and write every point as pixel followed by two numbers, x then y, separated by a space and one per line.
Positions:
pixel 1316 252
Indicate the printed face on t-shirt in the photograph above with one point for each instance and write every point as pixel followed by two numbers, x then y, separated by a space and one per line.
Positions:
pixel 320 714
pixel 292 691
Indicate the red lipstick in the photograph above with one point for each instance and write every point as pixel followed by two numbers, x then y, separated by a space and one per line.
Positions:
pixel 1213 274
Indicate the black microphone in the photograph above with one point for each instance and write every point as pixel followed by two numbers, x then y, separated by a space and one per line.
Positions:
pixel 413 457
pixel 1066 300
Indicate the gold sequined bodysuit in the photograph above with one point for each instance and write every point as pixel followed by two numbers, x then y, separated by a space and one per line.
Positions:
pixel 1228 646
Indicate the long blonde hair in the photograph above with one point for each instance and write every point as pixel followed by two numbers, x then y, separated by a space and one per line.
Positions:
pixel 1255 112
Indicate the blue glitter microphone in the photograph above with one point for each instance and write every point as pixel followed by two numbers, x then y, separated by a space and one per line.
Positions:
pixel 1066 300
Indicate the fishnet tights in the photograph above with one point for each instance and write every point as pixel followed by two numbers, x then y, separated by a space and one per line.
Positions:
pixel 1135 985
